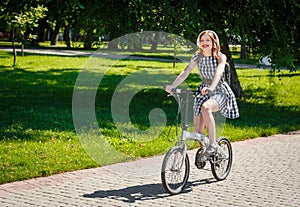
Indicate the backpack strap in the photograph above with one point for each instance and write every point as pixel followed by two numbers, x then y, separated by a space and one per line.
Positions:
pixel 226 75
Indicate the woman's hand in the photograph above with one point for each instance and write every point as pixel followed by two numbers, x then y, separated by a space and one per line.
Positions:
pixel 204 91
pixel 169 88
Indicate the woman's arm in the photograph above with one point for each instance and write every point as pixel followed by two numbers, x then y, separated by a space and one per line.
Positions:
pixel 219 72
pixel 182 76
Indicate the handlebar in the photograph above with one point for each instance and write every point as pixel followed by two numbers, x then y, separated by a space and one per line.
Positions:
pixel 179 90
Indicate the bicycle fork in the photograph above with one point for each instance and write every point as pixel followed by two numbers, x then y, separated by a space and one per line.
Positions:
pixel 178 164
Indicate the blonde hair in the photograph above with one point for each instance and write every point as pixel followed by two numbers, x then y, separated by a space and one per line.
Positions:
pixel 215 40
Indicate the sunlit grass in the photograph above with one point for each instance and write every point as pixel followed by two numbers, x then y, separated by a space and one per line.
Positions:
pixel 37 134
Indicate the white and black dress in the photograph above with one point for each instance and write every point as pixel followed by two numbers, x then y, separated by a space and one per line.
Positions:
pixel 222 93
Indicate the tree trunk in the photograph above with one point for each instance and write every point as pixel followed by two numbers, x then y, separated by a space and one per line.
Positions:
pixel 67 36
pixel 88 42
pixel 174 61
pixel 54 35
pixel 235 83
pixel 243 51
pixel 13 45
pixel 154 41
pixel 22 49
pixel 137 44
pixel 41 31
pixel 112 45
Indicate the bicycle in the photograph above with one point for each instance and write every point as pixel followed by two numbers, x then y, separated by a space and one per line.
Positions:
pixel 176 165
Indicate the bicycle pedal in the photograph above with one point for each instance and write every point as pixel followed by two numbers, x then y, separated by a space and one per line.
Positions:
pixel 200 161
pixel 200 165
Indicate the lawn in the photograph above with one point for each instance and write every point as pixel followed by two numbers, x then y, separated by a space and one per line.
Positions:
pixel 37 132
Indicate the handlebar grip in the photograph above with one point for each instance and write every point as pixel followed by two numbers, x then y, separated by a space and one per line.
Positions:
pixel 176 90
pixel 179 90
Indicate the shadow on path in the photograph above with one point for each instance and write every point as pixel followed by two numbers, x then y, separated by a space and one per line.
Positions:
pixel 132 194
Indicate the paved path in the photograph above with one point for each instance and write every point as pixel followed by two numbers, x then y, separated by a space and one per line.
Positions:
pixel 102 54
pixel 265 172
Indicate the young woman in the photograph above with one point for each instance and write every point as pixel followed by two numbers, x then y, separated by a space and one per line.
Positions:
pixel 216 93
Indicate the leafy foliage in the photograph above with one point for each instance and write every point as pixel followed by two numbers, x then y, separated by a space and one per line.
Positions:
pixel 28 20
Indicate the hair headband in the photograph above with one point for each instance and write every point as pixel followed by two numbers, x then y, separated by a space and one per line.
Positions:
pixel 207 31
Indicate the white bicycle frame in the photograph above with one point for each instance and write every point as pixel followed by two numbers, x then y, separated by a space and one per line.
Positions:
pixel 201 138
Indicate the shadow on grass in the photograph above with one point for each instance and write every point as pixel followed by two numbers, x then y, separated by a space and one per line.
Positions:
pixel 265 113
pixel 36 100
pixel 266 116
pixel 43 101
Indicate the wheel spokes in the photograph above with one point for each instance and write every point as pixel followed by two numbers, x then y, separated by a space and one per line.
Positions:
pixel 222 160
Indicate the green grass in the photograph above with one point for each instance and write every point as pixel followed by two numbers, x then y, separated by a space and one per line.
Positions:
pixel 37 134
pixel 271 107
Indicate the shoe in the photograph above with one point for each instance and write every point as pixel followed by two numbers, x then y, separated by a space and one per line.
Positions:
pixel 202 158
pixel 210 150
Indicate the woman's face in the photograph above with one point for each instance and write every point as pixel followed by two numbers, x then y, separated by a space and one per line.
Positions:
pixel 206 43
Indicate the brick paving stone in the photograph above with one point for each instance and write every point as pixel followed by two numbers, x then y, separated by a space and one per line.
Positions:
pixel 265 172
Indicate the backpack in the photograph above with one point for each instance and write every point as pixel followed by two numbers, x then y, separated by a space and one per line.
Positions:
pixel 226 75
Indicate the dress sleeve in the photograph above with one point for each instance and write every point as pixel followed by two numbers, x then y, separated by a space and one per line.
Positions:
pixel 197 56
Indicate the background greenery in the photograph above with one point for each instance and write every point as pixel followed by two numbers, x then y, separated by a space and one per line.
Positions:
pixel 268 27
pixel 37 135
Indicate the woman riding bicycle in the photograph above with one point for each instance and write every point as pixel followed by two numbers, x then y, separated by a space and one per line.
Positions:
pixel 216 94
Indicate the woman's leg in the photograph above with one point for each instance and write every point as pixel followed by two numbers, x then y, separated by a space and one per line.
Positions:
pixel 207 109
pixel 199 124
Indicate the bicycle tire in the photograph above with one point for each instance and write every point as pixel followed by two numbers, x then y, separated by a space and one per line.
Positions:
pixel 172 168
pixel 221 166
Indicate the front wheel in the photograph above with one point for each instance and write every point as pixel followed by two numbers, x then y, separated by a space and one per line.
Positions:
pixel 175 170
pixel 220 163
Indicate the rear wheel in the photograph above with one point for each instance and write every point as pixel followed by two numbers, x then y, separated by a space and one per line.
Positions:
pixel 175 170
pixel 221 164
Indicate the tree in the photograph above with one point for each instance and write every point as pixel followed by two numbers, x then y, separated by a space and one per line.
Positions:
pixel 8 9
pixel 62 14
pixel 279 33
pixel 187 18
pixel 268 28
pixel 20 18
pixel 24 22
pixel 214 15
